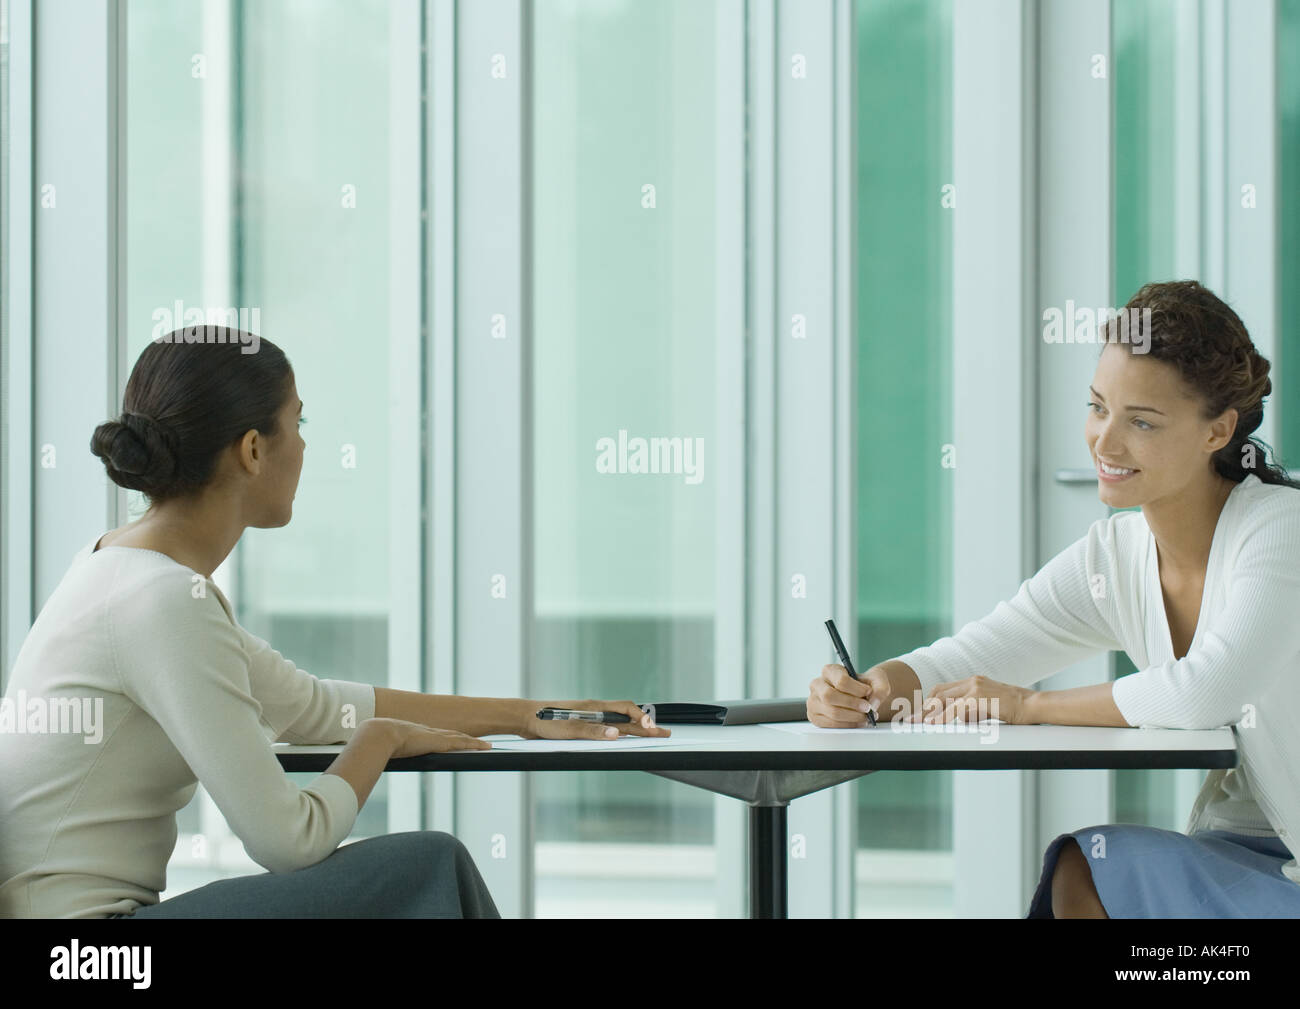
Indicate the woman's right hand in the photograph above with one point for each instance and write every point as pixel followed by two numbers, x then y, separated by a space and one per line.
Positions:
pixel 837 701
pixel 411 739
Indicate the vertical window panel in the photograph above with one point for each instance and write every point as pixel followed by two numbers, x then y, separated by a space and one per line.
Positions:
pixel 1286 369
pixel 623 275
pixel 1143 229
pixel 904 385
pixel 312 256
pixel 165 244
pixel 1144 109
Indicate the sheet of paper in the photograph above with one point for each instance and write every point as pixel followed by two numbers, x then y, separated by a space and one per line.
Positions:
pixel 503 742
pixel 808 729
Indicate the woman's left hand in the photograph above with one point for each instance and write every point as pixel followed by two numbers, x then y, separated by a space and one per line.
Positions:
pixel 641 723
pixel 973 699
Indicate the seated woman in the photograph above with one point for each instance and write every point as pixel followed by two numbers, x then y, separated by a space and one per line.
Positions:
pixel 181 693
pixel 1201 588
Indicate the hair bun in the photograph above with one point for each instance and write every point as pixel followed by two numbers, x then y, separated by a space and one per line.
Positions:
pixel 138 451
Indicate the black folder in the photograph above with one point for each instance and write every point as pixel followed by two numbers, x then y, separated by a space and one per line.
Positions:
pixel 772 709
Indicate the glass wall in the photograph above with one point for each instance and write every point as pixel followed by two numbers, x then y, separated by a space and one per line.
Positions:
pixel 1286 369
pixel 257 152
pixel 1142 61
pixel 904 395
pixel 6 550
pixel 166 250
pixel 623 350
pixel 312 252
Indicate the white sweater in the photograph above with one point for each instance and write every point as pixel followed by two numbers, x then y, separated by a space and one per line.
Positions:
pixel 1103 593
pixel 87 825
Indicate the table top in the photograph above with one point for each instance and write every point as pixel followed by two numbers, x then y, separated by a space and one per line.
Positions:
pixel 760 748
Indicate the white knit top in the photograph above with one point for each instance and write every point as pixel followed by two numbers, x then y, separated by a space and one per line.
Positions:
pixel 87 825
pixel 1242 670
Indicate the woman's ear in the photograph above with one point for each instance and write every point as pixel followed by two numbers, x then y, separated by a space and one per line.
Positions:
pixel 249 450
pixel 1223 428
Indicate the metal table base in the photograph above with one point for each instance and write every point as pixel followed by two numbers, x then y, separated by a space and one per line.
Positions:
pixel 768 795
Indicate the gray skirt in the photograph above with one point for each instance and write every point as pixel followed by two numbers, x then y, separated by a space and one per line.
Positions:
pixel 414 874
pixel 1147 872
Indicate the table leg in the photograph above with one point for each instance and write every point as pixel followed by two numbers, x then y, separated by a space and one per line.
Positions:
pixel 768 794
pixel 767 860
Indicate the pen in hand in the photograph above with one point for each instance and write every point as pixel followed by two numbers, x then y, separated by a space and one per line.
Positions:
pixel 845 661
pixel 572 714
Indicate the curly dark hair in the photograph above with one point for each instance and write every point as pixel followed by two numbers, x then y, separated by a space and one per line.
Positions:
pixel 1207 342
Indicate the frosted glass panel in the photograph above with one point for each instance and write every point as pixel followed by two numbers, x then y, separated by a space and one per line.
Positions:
pixel 623 351
pixel 1143 65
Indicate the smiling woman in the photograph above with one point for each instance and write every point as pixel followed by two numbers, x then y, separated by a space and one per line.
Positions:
pixel 1200 375
pixel 1170 430
pixel 1217 541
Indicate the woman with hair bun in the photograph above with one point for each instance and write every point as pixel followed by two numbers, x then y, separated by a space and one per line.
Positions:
pixel 1200 586
pixel 210 434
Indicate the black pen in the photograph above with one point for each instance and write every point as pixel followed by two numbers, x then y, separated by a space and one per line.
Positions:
pixel 571 714
pixel 843 653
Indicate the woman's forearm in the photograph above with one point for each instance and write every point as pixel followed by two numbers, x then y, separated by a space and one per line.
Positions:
pixel 474 716
pixel 1090 705
pixel 364 757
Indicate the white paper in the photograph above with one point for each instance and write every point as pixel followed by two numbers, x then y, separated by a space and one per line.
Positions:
pixel 505 742
pixel 808 729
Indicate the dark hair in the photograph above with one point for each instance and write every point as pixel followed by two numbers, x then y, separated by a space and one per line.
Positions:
pixel 1207 342
pixel 191 394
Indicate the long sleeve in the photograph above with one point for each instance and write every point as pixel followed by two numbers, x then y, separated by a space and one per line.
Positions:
pixel 302 708
pixel 1244 648
pixel 1054 620
pixel 181 659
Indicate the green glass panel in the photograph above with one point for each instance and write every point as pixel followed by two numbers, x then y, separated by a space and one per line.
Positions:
pixel 904 416
pixel 1286 368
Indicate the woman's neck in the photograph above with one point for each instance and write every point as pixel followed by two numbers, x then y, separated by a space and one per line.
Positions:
pixel 1183 524
pixel 198 534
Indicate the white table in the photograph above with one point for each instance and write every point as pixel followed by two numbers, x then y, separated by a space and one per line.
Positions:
pixel 767 768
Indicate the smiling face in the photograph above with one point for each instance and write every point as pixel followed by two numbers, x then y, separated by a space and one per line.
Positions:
pixel 1141 417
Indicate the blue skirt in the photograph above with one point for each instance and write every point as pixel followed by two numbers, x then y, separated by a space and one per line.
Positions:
pixel 1146 872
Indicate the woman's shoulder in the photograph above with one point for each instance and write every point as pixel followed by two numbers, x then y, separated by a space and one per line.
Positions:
pixel 1120 535
pixel 1111 548
pixel 145 586
pixel 1271 508
pixel 1277 494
